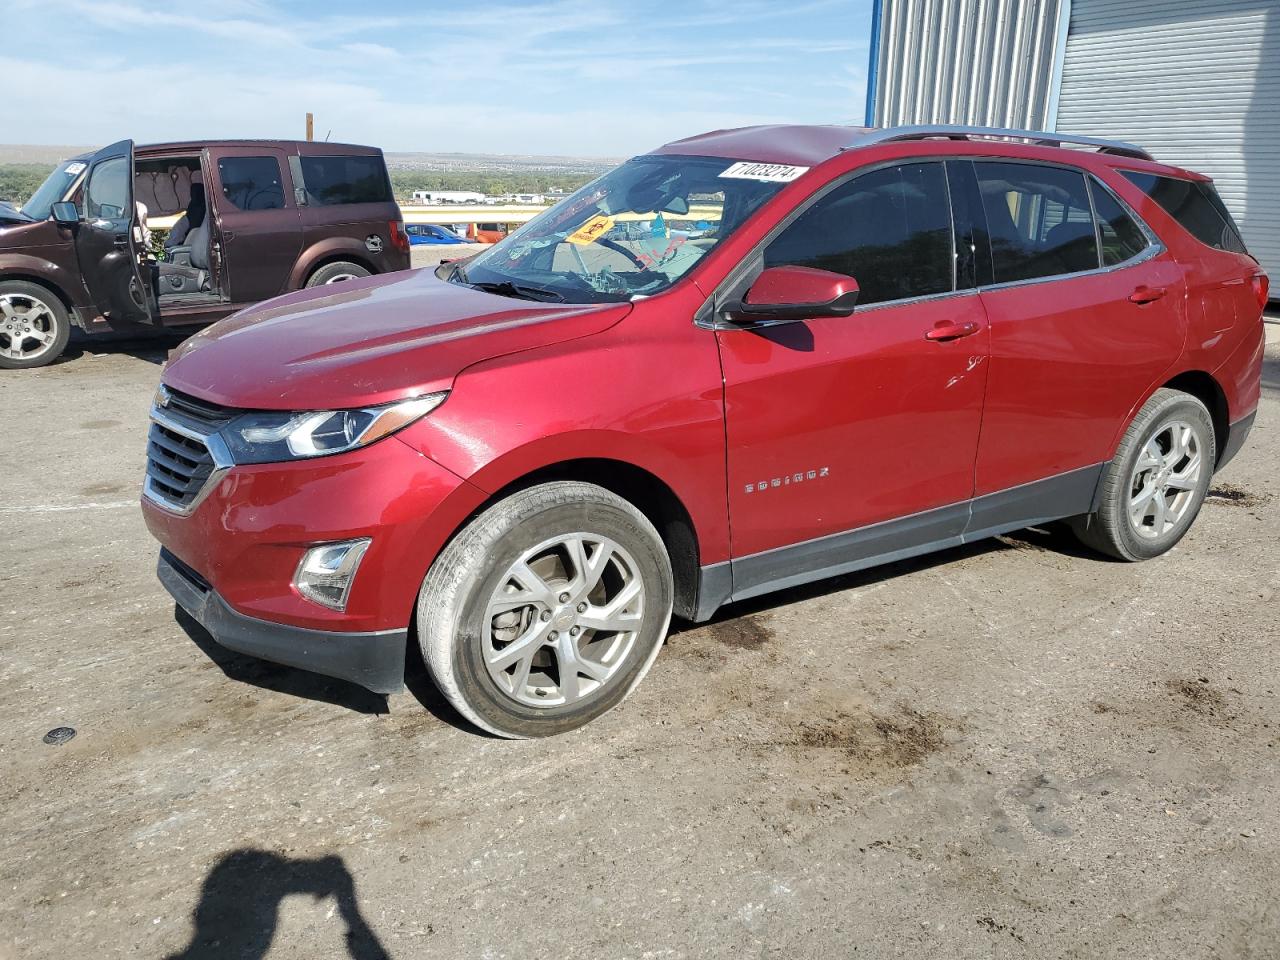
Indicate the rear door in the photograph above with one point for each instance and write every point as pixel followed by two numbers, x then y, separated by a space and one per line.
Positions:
pixel 837 424
pixel 259 232
pixel 1086 313
pixel 105 247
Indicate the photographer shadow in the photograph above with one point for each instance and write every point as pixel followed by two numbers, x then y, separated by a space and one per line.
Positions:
pixel 239 905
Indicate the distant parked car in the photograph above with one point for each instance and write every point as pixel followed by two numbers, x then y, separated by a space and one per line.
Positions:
pixel 486 232
pixel 430 233
pixel 254 219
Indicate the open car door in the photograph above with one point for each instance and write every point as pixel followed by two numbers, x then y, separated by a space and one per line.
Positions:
pixel 105 246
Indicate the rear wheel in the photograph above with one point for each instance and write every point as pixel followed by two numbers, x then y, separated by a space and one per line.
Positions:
pixel 1153 488
pixel 34 326
pixel 337 272
pixel 546 610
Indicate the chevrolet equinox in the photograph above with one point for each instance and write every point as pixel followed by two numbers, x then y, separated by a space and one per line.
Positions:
pixel 747 360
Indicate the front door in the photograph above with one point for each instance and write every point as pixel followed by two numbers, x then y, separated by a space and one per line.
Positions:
pixel 105 245
pixel 259 234
pixel 853 439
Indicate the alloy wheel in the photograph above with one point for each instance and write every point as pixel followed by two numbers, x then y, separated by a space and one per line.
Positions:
pixel 1162 487
pixel 28 326
pixel 563 620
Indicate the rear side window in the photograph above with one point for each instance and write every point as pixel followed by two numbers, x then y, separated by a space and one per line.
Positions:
pixel 251 183
pixel 1039 220
pixel 889 229
pixel 1194 204
pixel 336 180
pixel 1122 238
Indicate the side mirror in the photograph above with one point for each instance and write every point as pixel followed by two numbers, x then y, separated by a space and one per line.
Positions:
pixel 65 213
pixel 796 293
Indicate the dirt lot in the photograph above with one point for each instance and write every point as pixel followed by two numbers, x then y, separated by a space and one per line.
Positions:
pixel 1009 750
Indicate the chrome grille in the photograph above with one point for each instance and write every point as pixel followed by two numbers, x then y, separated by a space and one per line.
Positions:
pixel 178 465
pixel 186 454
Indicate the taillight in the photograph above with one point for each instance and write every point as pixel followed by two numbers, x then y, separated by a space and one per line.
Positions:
pixel 399 236
pixel 1261 288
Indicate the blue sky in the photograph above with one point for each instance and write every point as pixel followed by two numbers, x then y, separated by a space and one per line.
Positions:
pixel 603 78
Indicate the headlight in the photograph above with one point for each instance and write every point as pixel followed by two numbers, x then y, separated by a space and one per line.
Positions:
pixel 270 437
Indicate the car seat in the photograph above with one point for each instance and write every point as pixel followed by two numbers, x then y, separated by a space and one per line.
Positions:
pixel 187 267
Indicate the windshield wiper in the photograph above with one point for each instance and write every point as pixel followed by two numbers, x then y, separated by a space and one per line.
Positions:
pixel 508 288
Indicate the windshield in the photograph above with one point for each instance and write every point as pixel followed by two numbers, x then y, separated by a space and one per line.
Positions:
pixel 53 189
pixel 632 233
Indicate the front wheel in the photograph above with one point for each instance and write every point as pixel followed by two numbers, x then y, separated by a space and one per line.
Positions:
pixel 546 610
pixel 34 326
pixel 1153 488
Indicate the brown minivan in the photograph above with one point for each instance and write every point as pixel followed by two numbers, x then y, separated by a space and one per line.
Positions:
pixel 254 219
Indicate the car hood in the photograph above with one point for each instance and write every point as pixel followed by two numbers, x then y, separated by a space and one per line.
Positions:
pixel 11 214
pixel 368 341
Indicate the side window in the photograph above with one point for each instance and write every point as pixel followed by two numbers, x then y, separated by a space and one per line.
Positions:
pixel 336 180
pixel 108 191
pixel 1039 220
pixel 889 229
pixel 1122 238
pixel 1194 204
pixel 251 183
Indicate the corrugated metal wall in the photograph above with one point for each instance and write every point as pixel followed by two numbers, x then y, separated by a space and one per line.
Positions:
pixel 984 62
pixel 1196 82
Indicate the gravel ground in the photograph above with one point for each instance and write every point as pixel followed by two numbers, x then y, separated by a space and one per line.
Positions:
pixel 1013 749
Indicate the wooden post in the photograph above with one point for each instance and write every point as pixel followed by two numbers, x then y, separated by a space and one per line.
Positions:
pixel 311 134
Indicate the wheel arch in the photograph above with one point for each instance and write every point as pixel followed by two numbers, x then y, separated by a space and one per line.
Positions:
pixel 645 490
pixel 49 284
pixel 1208 391
pixel 328 251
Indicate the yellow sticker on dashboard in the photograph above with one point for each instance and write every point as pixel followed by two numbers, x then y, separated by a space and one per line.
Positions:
pixel 591 231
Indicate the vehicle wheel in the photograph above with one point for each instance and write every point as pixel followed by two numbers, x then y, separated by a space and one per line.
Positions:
pixel 546 610
pixel 34 326
pixel 1153 489
pixel 336 273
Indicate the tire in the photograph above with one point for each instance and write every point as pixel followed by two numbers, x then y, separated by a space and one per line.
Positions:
pixel 461 634
pixel 1132 482
pixel 336 272
pixel 28 311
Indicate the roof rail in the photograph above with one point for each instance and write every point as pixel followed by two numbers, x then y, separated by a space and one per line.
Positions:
pixel 1041 138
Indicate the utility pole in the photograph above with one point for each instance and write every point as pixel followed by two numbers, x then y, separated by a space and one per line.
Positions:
pixel 311 134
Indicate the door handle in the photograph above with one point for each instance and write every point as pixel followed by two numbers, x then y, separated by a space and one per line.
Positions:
pixel 947 330
pixel 1145 294
pixel 228 234
pixel 121 242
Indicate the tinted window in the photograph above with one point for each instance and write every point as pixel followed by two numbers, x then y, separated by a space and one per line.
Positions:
pixel 251 183
pixel 889 229
pixel 1195 205
pixel 1039 220
pixel 108 192
pixel 1122 238
pixel 334 180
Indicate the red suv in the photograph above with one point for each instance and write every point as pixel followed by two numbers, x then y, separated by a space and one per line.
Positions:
pixel 746 360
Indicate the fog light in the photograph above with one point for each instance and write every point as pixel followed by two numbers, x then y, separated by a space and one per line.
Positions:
pixel 326 572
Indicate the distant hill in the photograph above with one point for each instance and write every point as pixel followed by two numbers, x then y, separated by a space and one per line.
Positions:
pixel 433 162
pixel 24 167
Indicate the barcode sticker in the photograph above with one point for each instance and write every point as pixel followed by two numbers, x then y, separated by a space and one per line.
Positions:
pixel 771 172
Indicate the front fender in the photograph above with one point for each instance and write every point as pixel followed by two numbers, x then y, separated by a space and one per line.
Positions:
pixel 65 282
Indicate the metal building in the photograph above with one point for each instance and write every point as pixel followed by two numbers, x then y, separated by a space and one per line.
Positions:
pixel 1196 82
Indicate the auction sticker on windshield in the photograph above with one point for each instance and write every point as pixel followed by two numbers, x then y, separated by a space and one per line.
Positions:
pixel 591 231
pixel 771 172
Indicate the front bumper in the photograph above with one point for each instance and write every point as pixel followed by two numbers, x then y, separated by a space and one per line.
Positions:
pixel 374 660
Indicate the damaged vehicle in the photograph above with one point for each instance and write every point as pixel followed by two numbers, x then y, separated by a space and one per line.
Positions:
pixel 249 220
pixel 745 361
